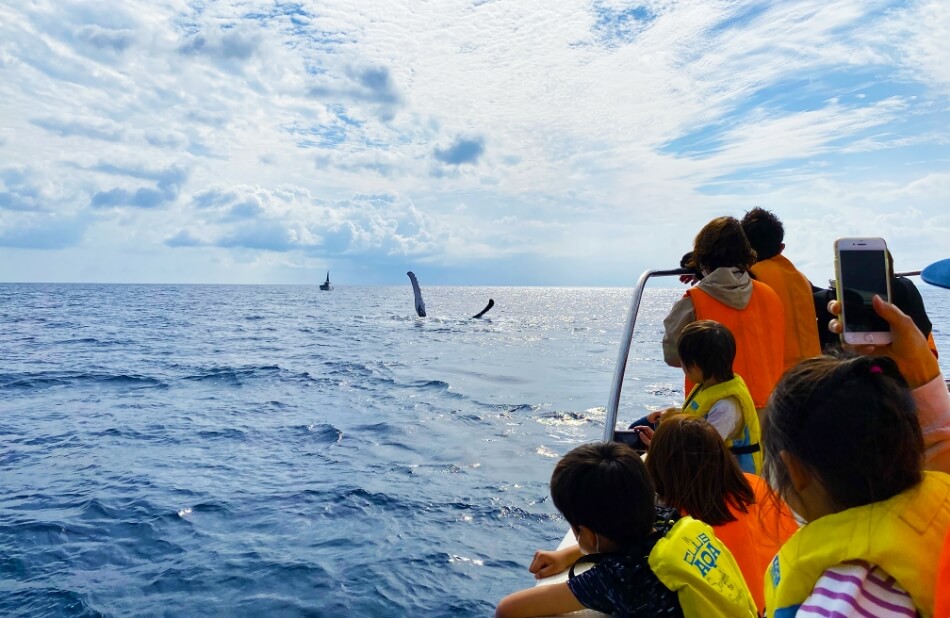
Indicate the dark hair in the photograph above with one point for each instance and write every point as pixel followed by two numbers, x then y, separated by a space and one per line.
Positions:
pixel 852 422
pixel 722 242
pixel 709 345
pixel 694 471
pixel 764 231
pixel 605 487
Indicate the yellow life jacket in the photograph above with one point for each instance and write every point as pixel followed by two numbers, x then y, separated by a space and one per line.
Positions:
pixel 901 535
pixel 693 563
pixel 794 290
pixel 745 442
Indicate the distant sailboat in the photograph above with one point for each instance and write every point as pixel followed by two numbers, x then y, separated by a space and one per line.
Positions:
pixel 326 285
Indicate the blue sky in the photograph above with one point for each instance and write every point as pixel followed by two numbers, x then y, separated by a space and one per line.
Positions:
pixel 479 142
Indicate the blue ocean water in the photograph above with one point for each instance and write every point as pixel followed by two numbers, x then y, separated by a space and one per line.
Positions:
pixel 278 450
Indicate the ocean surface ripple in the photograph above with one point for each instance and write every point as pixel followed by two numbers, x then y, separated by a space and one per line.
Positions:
pixel 278 450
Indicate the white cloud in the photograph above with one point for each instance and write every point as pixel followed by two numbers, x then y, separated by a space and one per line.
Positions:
pixel 920 38
pixel 600 133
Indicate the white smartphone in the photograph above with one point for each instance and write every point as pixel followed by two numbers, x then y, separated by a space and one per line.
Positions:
pixel 862 271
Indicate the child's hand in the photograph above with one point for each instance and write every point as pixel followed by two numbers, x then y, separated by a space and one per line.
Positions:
pixel 548 563
pixel 645 433
pixel 908 348
pixel 669 412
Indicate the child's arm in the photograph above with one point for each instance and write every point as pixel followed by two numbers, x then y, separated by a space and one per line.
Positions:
pixel 538 601
pixel 726 416
pixel 548 563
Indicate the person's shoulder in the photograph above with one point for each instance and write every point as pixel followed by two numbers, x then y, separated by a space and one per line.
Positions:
pixel 729 403
pixel 613 571
pixel 847 588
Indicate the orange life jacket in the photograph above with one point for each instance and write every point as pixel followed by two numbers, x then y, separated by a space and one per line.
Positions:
pixel 759 331
pixel 793 289
pixel 756 536
pixel 942 604
pixel 932 344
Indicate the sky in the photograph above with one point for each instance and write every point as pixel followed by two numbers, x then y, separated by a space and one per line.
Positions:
pixel 479 142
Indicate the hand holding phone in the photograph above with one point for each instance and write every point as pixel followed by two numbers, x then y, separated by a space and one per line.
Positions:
pixel 862 271
pixel 908 347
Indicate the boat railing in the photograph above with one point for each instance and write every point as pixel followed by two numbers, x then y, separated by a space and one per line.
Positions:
pixel 613 403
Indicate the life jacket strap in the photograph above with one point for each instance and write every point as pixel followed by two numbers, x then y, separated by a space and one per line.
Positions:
pixel 746 449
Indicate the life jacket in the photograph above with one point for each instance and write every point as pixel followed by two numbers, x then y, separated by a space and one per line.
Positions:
pixel 759 331
pixel 698 567
pixel 794 291
pixel 932 345
pixel 745 444
pixel 942 604
pixel 900 535
pixel 756 535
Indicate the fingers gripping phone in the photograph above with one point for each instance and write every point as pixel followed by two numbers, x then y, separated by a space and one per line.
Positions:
pixel 861 271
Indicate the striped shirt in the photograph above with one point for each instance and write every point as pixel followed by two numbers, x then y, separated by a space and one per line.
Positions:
pixel 854 589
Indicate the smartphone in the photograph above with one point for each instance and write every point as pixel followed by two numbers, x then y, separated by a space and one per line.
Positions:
pixel 862 270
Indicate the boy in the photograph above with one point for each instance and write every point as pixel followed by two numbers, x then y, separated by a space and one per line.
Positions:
pixel 605 494
pixel 707 350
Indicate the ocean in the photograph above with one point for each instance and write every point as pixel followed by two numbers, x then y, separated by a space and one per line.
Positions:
pixel 278 450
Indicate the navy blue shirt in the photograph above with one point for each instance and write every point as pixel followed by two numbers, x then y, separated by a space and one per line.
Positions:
pixel 622 583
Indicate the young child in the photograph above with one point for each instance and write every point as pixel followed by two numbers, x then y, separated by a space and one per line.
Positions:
pixel 694 472
pixel 707 350
pixel 844 448
pixel 646 562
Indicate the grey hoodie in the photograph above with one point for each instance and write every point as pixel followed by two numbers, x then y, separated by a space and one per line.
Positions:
pixel 729 286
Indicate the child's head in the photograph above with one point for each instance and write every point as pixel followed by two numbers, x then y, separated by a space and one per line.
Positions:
pixel 764 231
pixel 721 243
pixel 710 347
pixel 693 470
pixel 604 486
pixel 850 423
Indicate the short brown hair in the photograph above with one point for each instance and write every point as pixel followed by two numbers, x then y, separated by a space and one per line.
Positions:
pixel 693 470
pixel 722 242
pixel 605 487
pixel 709 345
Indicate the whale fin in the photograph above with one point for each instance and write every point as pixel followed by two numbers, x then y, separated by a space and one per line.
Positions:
pixel 420 306
pixel 491 303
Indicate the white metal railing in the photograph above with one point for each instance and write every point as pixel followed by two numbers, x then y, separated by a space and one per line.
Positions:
pixel 613 403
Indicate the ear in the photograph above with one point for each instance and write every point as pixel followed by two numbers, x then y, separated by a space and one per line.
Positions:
pixel 781 246
pixel 797 472
pixel 586 539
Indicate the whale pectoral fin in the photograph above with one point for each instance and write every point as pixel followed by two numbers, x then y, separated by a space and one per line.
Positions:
pixel 420 306
pixel 491 303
